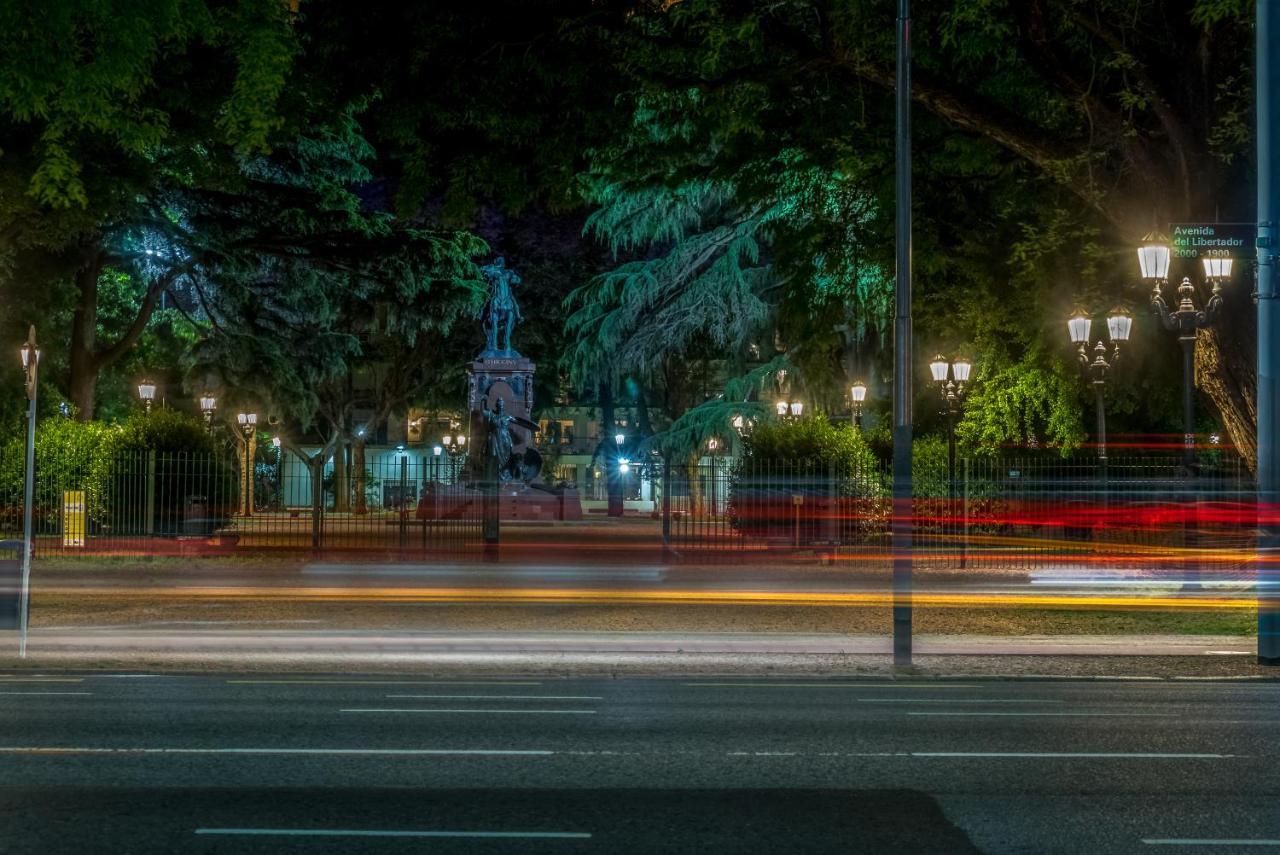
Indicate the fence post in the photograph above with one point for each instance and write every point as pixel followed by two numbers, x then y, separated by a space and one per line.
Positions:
pixel 150 505
pixel 404 501
pixel 491 509
pixel 317 501
pixel 666 508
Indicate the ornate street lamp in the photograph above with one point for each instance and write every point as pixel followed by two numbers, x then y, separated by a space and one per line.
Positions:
pixel 1153 257
pixel 1099 368
pixel 952 391
pixel 1185 320
pixel 789 409
pixel 248 423
pixel 208 406
pixel 147 393
pixel 858 393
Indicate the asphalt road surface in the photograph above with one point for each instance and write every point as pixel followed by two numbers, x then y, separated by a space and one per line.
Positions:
pixel 389 764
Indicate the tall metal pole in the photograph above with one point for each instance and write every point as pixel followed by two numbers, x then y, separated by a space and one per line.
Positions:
pixel 1268 89
pixel 1188 342
pixel 1099 386
pixel 1102 426
pixel 29 489
pixel 248 478
pixel 902 365
pixel 1191 501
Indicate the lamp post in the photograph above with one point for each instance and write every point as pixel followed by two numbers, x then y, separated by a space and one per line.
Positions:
pixel 147 394
pixel 208 406
pixel 276 443
pixel 951 378
pixel 30 353
pixel 858 394
pixel 1185 320
pixel 790 409
pixel 454 446
pixel 1099 368
pixel 248 423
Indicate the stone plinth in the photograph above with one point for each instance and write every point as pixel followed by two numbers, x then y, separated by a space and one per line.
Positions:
pixel 505 377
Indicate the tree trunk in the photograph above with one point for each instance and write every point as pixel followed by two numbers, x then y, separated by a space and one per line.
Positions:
pixel 692 465
pixel 82 382
pixel 341 495
pixel 357 453
pixel 1227 374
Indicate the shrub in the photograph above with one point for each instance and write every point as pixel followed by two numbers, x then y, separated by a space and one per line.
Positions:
pixel 812 474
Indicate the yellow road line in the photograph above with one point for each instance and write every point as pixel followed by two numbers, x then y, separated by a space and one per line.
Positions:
pixel 572 596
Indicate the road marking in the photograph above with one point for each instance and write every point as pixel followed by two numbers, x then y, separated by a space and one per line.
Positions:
pixel 1194 841
pixel 46 693
pixel 1059 755
pixel 382 683
pixel 878 685
pixel 988 714
pixel 493 712
pixel 37 750
pixel 41 680
pixel 959 701
pixel 503 697
pixel 338 752
pixel 357 832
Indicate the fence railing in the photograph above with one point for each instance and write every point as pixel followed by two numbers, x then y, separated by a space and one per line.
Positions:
pixel 150 502
pixel 1028 511
pixel 1024 511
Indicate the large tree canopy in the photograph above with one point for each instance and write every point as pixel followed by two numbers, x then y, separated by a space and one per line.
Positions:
pixel 105 108
pixel 1047 145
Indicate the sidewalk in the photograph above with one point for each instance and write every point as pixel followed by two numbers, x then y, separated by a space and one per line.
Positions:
pixel 615 653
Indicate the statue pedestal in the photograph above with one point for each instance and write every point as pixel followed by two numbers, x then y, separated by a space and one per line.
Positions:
pixel 495 377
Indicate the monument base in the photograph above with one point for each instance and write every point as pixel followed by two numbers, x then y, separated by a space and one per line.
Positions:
pixel 516 501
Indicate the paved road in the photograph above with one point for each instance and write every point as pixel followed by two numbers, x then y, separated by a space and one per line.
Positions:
pixel 391 764
pixel 184 645
pixel 789 583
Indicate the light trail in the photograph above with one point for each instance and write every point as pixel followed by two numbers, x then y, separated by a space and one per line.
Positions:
pixel 589 596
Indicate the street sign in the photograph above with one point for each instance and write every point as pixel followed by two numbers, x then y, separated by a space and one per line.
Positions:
pixel 73 518
pixel 1212 240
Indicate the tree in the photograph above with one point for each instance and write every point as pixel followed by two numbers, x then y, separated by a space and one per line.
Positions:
pixel 1059 130
pixel 314 288
pixel 104 108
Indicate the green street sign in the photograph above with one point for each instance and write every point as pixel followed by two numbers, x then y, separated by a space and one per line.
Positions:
pixel 1212 240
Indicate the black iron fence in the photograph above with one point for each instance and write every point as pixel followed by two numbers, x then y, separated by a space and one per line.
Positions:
pixel 152 503
pixel 1028 511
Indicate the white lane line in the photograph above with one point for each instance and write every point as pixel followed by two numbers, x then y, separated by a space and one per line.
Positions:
pixel 383 683
pixel 503 697
pixel 1070 755
pixel 510 752
pixel 960 701
pixel 337 752
pixel 461 711
pixel 360 832
pixel 41 680
pixel 46 693
pixel 991 713
pixel 1204 841
pixel 875 686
